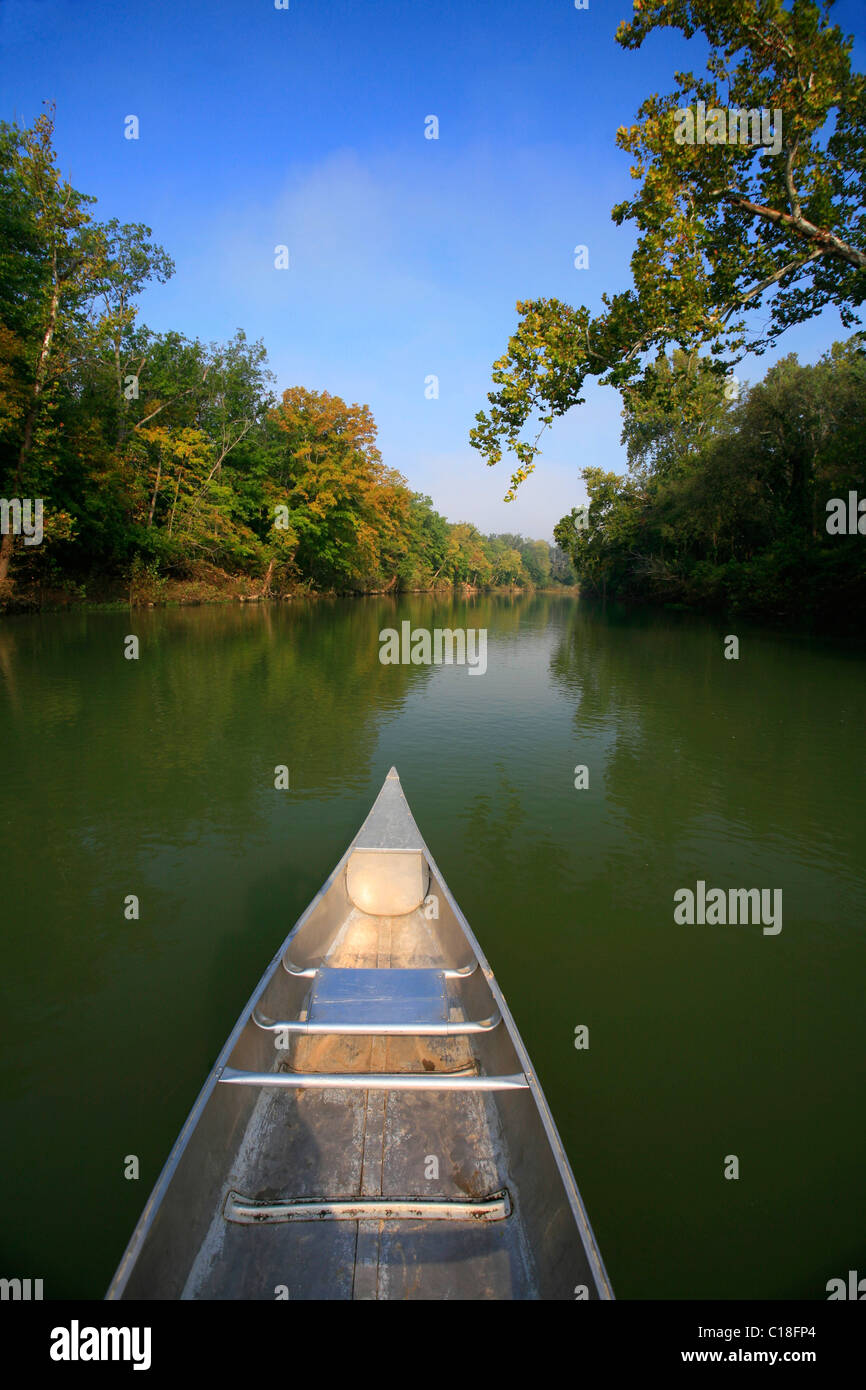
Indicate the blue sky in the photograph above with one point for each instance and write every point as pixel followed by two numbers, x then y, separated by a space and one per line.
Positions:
pixel 305 127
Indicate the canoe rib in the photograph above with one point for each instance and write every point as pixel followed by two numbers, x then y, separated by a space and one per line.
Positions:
pixel 309 972
pixel 378 1028
pixel 374 1081
pixel 249 1212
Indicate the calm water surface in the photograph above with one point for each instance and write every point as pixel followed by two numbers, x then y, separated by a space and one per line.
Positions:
pixel 155 777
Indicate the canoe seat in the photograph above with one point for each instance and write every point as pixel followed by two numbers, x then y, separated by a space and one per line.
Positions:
pixel 387 883
pixel 370 1001
pixel 367 996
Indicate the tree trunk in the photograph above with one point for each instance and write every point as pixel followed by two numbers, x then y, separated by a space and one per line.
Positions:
pixel 266 586
pixel 799 490
pixel 155 490
pixel 5 554
pixel 174 503
pixel 30 423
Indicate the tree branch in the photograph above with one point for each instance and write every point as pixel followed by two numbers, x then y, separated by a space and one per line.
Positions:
pixel 793 199
pixel 178 397
pixel 771 279
pixel 831 244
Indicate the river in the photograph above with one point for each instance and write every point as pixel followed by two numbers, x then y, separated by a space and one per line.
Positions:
pixel 155 778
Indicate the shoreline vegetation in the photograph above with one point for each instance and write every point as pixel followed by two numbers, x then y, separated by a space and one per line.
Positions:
pixel 221 588
pixel 750 503
pixel 164 469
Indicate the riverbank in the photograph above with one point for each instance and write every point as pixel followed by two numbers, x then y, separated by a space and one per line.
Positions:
pixel 213 586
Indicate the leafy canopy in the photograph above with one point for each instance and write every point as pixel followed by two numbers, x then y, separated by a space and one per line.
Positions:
pixel 720 225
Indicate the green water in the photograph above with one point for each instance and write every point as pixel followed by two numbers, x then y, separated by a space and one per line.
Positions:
pixel 155 777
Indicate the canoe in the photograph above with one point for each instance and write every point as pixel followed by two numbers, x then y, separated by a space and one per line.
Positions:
pixel 373 1127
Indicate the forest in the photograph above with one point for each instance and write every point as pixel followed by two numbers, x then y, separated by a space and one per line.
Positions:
pixel 166 467
pixel 751 500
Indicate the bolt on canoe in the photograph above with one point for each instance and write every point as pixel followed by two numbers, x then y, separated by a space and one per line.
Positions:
pixel 372 1128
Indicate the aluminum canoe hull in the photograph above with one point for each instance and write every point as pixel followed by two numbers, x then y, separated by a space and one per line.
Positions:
pixel 373 1127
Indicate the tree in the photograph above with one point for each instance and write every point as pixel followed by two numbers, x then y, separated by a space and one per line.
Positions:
pixel 721 225
pixel 47 274
pixel 535 556
pixel 669 411
pixel 237 395
pixel 561 568
pixel 427 546
pixel 603 550
pixel 740 520
pixel 508 567
pixel 348 510
pixel 125 262
pixel 58 268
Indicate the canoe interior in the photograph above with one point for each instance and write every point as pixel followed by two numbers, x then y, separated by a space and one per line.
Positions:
pixel 343 1145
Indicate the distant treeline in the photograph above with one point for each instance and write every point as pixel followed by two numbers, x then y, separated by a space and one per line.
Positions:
pixel 162 458
pixel 750 500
